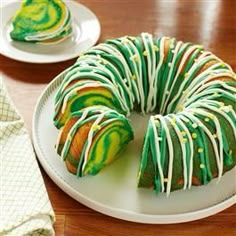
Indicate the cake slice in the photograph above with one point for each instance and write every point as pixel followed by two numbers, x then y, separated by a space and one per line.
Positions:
pixel 93 138
pixel 45 21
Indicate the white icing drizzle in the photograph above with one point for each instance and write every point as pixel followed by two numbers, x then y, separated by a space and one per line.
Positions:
pixel 190 140
pixel 150 108
pixel 193 68
pixel 151 63
pixel 138 71
pixel 184 58
pixel 157 149
pixel 94 59
pixel 183 150
pixel 42 36
pixel 206 103
pixel 219 158
pixel 90 139
pixel 212 73
pixel 69 136
pixel 176 50
pixel 153 85
pixel 61 103
pixel 93 69
pixel 205 54
pixel 94 85
pixel 153 60
pixel 171 152
pixel 149 60
pixel 184 94
pixel 202 86
pixel 115 52
pixel 199 83
pixel 207 93
pixel 84 74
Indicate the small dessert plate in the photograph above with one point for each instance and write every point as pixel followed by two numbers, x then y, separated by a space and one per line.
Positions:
pixel 86 32
pixel 114 190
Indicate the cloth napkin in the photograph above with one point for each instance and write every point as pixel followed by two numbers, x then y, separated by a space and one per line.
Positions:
pixel 25 208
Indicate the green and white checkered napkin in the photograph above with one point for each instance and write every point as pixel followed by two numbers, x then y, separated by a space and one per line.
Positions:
pixel 25 208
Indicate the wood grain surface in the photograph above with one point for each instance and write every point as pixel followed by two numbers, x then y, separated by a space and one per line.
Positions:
pixel 211 23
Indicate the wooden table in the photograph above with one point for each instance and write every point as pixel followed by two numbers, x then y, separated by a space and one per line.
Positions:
pixel 211 23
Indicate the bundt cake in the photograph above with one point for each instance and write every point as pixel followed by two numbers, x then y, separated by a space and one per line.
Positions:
pixel 192 137
pixel 45 21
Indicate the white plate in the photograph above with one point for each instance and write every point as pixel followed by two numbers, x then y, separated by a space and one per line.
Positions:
pixel 86 31
pixel 113 191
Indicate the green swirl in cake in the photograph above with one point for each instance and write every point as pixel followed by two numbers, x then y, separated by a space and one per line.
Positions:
pixel 46 21
pixel 192 138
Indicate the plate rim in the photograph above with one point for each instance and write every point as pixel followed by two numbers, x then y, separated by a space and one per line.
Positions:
pixel 112 211
pixel 26 60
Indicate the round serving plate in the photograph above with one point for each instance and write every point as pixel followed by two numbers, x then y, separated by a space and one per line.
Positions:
pixel 114 190
pixel 86 32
